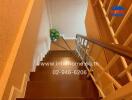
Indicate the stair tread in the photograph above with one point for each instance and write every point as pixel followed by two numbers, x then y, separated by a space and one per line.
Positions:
pixel 43 68
pixel 61 53
pixel 55 59
pixel 57 99
pixel 41 76
pixel 61 88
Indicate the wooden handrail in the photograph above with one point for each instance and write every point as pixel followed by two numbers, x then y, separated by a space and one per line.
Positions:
pixel 116 48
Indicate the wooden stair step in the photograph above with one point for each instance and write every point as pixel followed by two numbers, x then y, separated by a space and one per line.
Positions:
pixel 42 76
pixel 61 51
pixel 53 58
pixel 60 56
pixel 61 89
pixel 43 68
pixel 55 53
pixel 64 55
pixel 58 99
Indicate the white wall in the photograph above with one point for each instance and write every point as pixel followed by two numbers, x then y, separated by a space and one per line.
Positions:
pixel 68 16
pixel 43 39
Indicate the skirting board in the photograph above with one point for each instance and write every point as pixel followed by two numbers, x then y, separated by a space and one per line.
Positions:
pixel 19 93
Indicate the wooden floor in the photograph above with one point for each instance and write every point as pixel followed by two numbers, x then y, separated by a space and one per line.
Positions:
pixel 45 85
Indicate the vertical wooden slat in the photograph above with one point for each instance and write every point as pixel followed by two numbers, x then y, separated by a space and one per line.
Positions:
pixel 115 40
pixel 109 76
pixel 108 23
pixel 104 3
pixel 116 57
pixel 127 42
pixel 98 87
pixel 129 12
pixel 129 39
pixel 109 65
pixel 126 66
pixel 109 7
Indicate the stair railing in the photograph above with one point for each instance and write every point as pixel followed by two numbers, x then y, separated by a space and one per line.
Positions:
pixel 61 46
pixel 118 91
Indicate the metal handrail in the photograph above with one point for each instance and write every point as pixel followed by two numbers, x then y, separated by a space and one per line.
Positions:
pixel 116 48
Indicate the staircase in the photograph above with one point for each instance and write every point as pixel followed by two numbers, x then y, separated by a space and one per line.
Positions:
pixel 47 84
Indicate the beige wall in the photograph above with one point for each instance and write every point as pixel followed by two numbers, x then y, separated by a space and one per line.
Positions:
pixel 68 16
pixel 91 24
pixel 35 41
pixel 11 15
pixel 12 24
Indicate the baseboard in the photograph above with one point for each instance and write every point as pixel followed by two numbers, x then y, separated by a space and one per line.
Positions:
pixel 19 93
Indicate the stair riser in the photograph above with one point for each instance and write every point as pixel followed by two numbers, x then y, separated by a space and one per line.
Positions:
pixel 61 88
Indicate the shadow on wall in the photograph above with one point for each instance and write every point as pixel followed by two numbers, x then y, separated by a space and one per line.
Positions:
pixel 43 42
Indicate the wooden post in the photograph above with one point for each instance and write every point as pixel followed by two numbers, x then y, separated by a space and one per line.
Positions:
pixel 126 66
pixel 109 7
pixel 108 23
pixel 104 3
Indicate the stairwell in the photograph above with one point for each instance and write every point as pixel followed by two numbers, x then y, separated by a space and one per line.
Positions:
pixel 50 82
